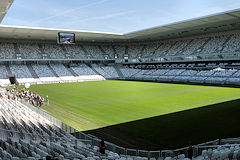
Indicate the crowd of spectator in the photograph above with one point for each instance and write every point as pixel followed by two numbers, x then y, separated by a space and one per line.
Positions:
pixel 31 97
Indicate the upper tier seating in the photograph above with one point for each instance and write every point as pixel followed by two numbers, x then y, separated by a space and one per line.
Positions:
pixel 54 51
pixel 207 46
pixel 214 45
pixel 162 50
pixel 149 50
pixel 134 51
pixel 120 51
pixel 94 51
pixel 76 51
pixel 7 51
pixel 194 46
pixel 30 50
pixel 233 45
pixel 108 50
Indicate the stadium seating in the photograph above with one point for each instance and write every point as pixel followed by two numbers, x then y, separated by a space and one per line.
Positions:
pixel 106 71
pixel 183 75
pixel 33 137
pixel 189 72
pixel 162 50
pixel 120 51
pixel 30 51
pixel 178 47
pixel 194 46
pixel 221 152
pixel 94 51
pixel 233 44
pixel 60 70
pixel 27 135
pixel 225 43
pixel 7 51
pixel 76 51
pixel 149 50
pixel 165 72
pixel 54 73
pixel 129 72
pixel 83 69
pixel 108 50
pixel 43 71
pixel 20 71
pixel 3 72
pixel 215 43
pixel 135 51
pixel 54 51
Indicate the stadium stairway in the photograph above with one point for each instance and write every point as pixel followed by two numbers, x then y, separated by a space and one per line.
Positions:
pixel 136 73
pixel 94 70
pixel 102 51
pixel 224 44
pixel 201 48
pixel 154 52
pixel 71 71
pixel 42 50
pixel 55 74
pixel 180 52
pixel 117 68
pixel 33 73
pixel 9 70
pixel 87 54
pixel 64 50
pixel 114 49
pixel 142 50
pixel 16 49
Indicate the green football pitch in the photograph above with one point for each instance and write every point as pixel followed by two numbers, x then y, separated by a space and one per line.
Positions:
pixel 136 110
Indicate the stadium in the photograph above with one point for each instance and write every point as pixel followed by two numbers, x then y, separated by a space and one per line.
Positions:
pixel 167 92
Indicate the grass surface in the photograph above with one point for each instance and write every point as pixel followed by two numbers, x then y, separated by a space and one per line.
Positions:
pixel 94 105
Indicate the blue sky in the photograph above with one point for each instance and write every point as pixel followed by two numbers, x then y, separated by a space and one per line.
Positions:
pixel 120 16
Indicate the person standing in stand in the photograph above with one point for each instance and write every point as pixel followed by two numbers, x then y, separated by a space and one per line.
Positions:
pixel 102 147
pixel 190 151
pixel 47 100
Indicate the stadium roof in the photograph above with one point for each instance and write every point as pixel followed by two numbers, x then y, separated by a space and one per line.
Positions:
pixel 4 6
pixel 216 22
pixel 20 32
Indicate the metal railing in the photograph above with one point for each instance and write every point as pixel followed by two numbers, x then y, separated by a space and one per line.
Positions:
pixel 43 113
pixel 5 134
pixel 94 141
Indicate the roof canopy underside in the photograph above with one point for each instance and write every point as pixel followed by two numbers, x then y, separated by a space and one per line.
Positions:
pixel 4 6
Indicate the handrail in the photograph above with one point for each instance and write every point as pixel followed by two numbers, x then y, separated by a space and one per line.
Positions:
pixel 115 148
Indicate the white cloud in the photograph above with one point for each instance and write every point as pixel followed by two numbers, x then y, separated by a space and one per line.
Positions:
pixel 210 11
pixel 104 17
pixel 69 11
